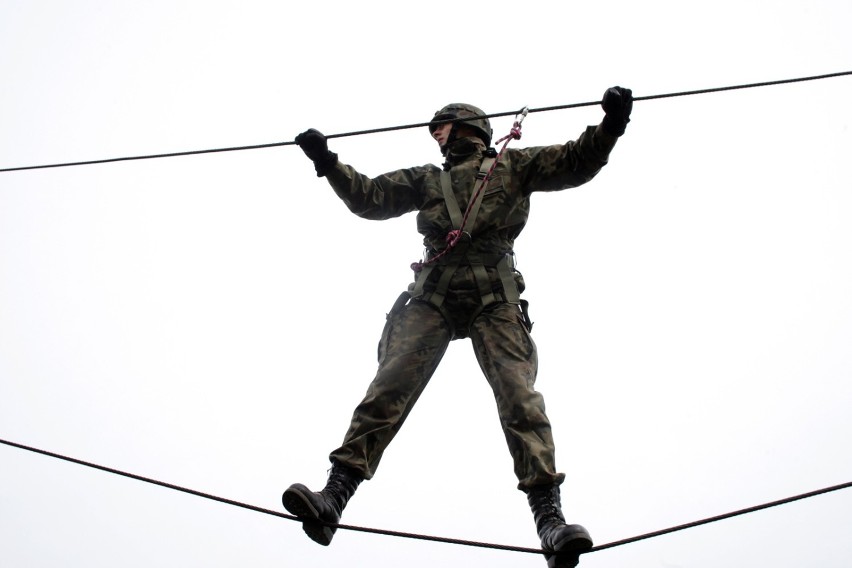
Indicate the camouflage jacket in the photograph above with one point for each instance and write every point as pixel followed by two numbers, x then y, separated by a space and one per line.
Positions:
pixel 506 202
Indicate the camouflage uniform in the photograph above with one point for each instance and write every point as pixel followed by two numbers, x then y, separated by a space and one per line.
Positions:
pixel 471 292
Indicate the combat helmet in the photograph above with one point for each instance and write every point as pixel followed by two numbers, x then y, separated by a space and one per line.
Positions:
pixel 477 121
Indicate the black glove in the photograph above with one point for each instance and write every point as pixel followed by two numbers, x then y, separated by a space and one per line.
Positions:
pixel 617 103
pixel 315 146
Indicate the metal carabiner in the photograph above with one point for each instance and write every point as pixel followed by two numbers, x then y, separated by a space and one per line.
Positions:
pixel 523 114
pixel 515 131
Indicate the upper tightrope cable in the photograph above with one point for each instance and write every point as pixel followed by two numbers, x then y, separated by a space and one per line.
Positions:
pixel 422 124
pixel 436 538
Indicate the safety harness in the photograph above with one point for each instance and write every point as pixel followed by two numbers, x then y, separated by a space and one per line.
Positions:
pixel 458 253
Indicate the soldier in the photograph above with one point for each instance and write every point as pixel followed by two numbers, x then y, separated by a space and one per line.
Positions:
pixel 466 287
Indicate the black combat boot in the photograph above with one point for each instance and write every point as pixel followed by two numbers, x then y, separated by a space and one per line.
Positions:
pixel 556 536
pixel 325 506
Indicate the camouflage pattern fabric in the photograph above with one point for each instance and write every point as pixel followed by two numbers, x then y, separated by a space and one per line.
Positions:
pixel 505 205
pixel 416 336
pixel 413 342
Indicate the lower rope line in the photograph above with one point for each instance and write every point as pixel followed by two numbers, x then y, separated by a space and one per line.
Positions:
pixel 723 516
pixel 443 539
pixel 415 536
pixel 148 480
pixel 268 511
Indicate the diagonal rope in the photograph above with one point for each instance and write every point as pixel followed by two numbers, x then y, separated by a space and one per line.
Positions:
pixel 147 480
pixel 415 536
pixel 724 516
pixel 423 124
pixel 263 510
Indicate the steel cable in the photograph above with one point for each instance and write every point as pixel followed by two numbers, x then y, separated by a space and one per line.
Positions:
pixel 416 536
pixel 423 124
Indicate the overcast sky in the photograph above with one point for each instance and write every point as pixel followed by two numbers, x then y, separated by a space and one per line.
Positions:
pixel 211 321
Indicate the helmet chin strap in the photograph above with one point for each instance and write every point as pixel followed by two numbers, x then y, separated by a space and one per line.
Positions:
pixel 450 139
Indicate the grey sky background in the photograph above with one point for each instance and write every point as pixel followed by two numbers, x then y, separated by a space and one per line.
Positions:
pixel 211 321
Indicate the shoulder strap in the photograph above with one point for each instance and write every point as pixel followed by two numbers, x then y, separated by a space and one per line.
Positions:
pixel 450 197
pixel 478 194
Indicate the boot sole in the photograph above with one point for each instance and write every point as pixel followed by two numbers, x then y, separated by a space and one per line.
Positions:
pixel 297 504
pixel 563 560
pixel 573 544
pixel 579 541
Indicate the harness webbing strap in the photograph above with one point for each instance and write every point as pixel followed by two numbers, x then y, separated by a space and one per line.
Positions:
pixel 478 193
pixel 483 283
pixel 450 200
pixel 452 203
pixel 461 255
pixel 437 297
pixel 458 220
pixel 506 270
pixel 420 279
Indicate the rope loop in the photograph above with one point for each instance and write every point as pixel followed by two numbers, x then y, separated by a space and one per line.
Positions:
pixel 515 131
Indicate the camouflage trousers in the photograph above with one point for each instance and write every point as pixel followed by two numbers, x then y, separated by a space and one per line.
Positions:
pixel 414 340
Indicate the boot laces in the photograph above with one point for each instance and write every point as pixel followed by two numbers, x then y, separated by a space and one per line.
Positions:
pixel 551 505
pixel 340 486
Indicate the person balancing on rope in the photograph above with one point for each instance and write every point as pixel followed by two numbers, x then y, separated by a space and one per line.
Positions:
pixel 469 212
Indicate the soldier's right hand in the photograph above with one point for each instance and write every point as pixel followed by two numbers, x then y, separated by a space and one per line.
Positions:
pixel 314 144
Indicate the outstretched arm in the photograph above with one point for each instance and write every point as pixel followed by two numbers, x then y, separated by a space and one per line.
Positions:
pixel 389 195
pixel 561 166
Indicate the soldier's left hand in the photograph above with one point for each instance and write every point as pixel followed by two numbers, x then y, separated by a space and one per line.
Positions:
pixel 617 103
pixel 315 146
